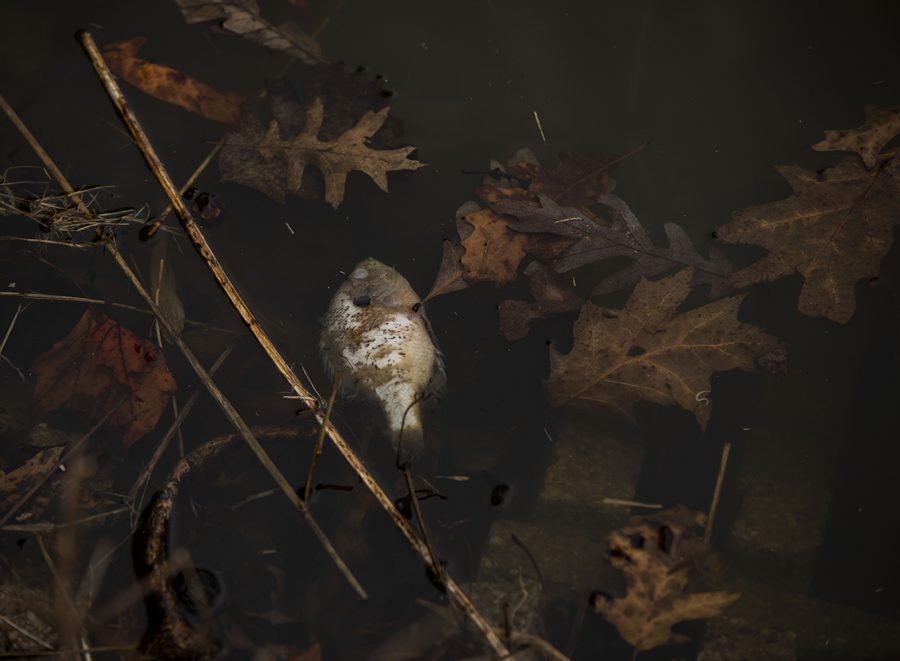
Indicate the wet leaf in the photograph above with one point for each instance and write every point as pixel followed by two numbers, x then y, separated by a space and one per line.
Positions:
pixel 274 163
pixel 650 352
pixel 625 237
pixel 656 553
pixel 493 251
pixel 551 297
pixel 97 364
pixel 170 85
pixel 450 275
pixel 881 126
pixel 834 230
pixel 15 483
pixel 242 17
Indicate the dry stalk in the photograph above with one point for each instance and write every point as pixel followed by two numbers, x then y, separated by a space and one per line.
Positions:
pixel 454 591
pixel 717 493
pixel 320 439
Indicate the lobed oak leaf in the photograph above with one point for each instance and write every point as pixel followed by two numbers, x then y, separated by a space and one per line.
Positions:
pixel 834 230
pixel 650 352
pixel 656 553
pixel 170 85
pixel 275 164
pixel 98 364
pixel 590 241
pixel 881 126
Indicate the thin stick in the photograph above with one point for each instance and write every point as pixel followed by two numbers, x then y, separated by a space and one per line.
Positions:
pixel 196 174
pixel 320 439
pixel 523 638
pixel 12 325
pixel 211 387
pixel 193 231
pixel 161 447
pixel 707 533
pixel 238 422
pixel 43 528
pixel 62 298
pixel 40 641
pixel 44 156
pixel 436 567
pixel 630 503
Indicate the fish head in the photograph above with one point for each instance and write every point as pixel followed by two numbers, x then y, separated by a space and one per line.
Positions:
pixel 372 282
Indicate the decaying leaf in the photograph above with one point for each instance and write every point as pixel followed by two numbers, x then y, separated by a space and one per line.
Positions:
pixel 650 352
pixel 834 230
pixel 170 85
pixel 274 163
pixel 551 297
pixel 450 276
pixel 16 483
pixel 625 237
pixel 493 252
pixel 881 126
pixel 162 286
pixel 242 17
pixel 98 364
pixel 656 554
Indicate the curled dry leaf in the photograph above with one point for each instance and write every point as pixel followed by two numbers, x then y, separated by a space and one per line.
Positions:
pixel 881 126
pixel 97 365
pixel 274 163
pixel 170 85
pixel 834 230
pixel 656 554
pixel 242 17
pixel 551 297
pixel 649 352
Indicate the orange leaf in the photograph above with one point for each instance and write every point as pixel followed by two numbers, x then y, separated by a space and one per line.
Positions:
pixel 493 251
pixel 170 85
pixel 97 364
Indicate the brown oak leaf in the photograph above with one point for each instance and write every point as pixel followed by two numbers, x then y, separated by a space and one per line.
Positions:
pixel 881 126
pixel 493 252
pixel 656 554
pixel 650 352
pixel 275 164
pixel 170 85
pixel 98 364
pixel 834 230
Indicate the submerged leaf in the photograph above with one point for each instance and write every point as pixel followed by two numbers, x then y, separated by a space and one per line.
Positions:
pixel 242 18
pixel 834 230
pixel 881 126
pixel 493 251
pixel 450 275
pixel 656 553
pixel 275 164
pixel 624 238
pixel 551 297
pixel 97 365
pixel 170 85
pixel 649 352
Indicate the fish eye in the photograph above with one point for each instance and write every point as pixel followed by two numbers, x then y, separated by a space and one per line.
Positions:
pixel 359 274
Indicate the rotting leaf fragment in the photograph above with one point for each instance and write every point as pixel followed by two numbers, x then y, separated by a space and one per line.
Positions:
pixel 679 352
pixel 881 126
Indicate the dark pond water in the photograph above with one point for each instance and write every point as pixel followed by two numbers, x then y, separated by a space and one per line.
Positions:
pixel 720 92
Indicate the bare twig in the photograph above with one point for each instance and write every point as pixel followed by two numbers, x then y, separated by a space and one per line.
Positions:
pixel 723 464
pixel 320 439
pixel 194 176
pixel 193 231
pixel 30 636
pixel 630 503
pixel 43 528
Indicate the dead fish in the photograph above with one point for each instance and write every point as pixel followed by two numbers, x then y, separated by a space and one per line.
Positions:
pixel 377 338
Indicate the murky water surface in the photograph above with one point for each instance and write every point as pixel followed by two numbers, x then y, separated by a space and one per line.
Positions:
pixel 806 528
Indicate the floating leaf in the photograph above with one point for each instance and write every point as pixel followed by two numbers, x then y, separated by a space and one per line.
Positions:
pixel 649 352
pixel 97 365
pixel 450 276
pixel 242 18
pixel 275 164
pixel 169 85
pixel 551 296
pixel 656 553
pixel 624 238
pixel 881 126
pixel 834 230
pixel 493 252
